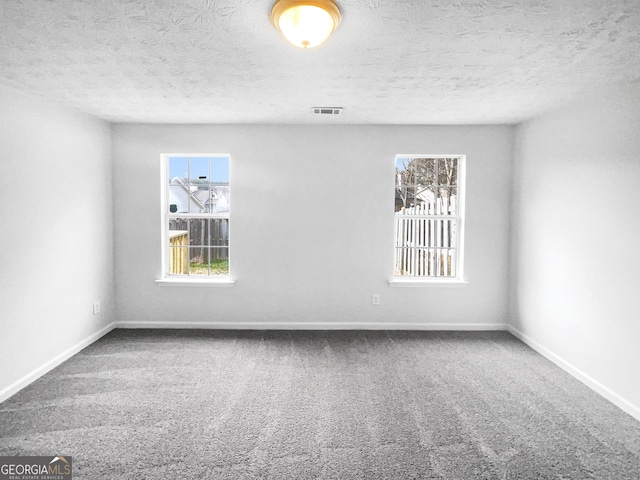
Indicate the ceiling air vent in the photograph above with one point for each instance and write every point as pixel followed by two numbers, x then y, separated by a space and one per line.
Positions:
pixel 327 110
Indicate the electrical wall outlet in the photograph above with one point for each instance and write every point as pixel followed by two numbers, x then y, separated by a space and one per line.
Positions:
pixel 96 307
pixel 375 299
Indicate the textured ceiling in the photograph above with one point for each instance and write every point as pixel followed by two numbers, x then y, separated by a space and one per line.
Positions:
pixel 389 62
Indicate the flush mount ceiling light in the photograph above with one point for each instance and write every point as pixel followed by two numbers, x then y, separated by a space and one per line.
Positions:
pixel 306 23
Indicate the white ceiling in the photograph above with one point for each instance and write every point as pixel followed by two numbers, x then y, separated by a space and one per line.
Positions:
pixel 390 61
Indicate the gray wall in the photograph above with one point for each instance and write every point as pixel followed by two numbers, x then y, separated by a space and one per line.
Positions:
pixel 309 243
pixel 311 226
pixel 576 240
pixel 56 236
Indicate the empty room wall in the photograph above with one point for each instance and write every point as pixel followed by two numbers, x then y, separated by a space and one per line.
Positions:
pixel 56 237
pixel 576 240
pixel 311 227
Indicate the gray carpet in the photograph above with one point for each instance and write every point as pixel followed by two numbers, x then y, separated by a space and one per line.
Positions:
pixel 158 404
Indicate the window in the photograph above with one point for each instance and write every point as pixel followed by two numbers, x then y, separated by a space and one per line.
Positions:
pixel 196 216
pixel 429 216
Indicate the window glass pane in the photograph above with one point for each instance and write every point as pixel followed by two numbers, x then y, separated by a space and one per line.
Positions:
pixel 178 197
pixel 405 183
pixel 219 232
pixel 200 198
pixel 403 261
pixel 209 201
pixel 178 185
pixel 453 201
pixel 178 241
pixel 196 205
pixel 425 171
pixel 198 184
pixel 178 264
pixel 424 201
pixel 179 169
pixel 178 225
pixel 402 164
pixel 406 197
pixel 219 260
pixel 422 262
pixel 219 202
pixel 442 233
pixel 430 233
pixel 446 203
pixel 448 233
pixel 220 170
pixel 199 170
pixel 446 262
pixel 448 171
pixel 416 262
pixel 198 231
pixel 198 261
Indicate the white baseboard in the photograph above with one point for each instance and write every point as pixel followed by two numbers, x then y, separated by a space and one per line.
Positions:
pixel 590 382
pixel 317 326
pixel 31 377
pixel 607 393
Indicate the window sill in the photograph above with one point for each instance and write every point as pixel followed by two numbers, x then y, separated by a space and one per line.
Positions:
pixel 428 283
pixel 195 282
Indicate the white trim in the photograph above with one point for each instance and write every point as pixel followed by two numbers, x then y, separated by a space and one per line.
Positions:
pixel 165 216
pixel 318 326
pixel 164 219
pixel 462 196
pixel 459 218
pixel 31 377
pixel 595 385
pixel 429 155
pixel 193 282
pixel 428 283
pixel 575 372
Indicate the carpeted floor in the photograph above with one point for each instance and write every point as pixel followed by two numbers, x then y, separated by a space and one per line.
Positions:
pixel 159 404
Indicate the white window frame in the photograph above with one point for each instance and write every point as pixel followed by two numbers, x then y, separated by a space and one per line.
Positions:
pixel 189 280
pixel 437 281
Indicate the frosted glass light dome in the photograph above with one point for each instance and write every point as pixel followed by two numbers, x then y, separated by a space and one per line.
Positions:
pixel 306 24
